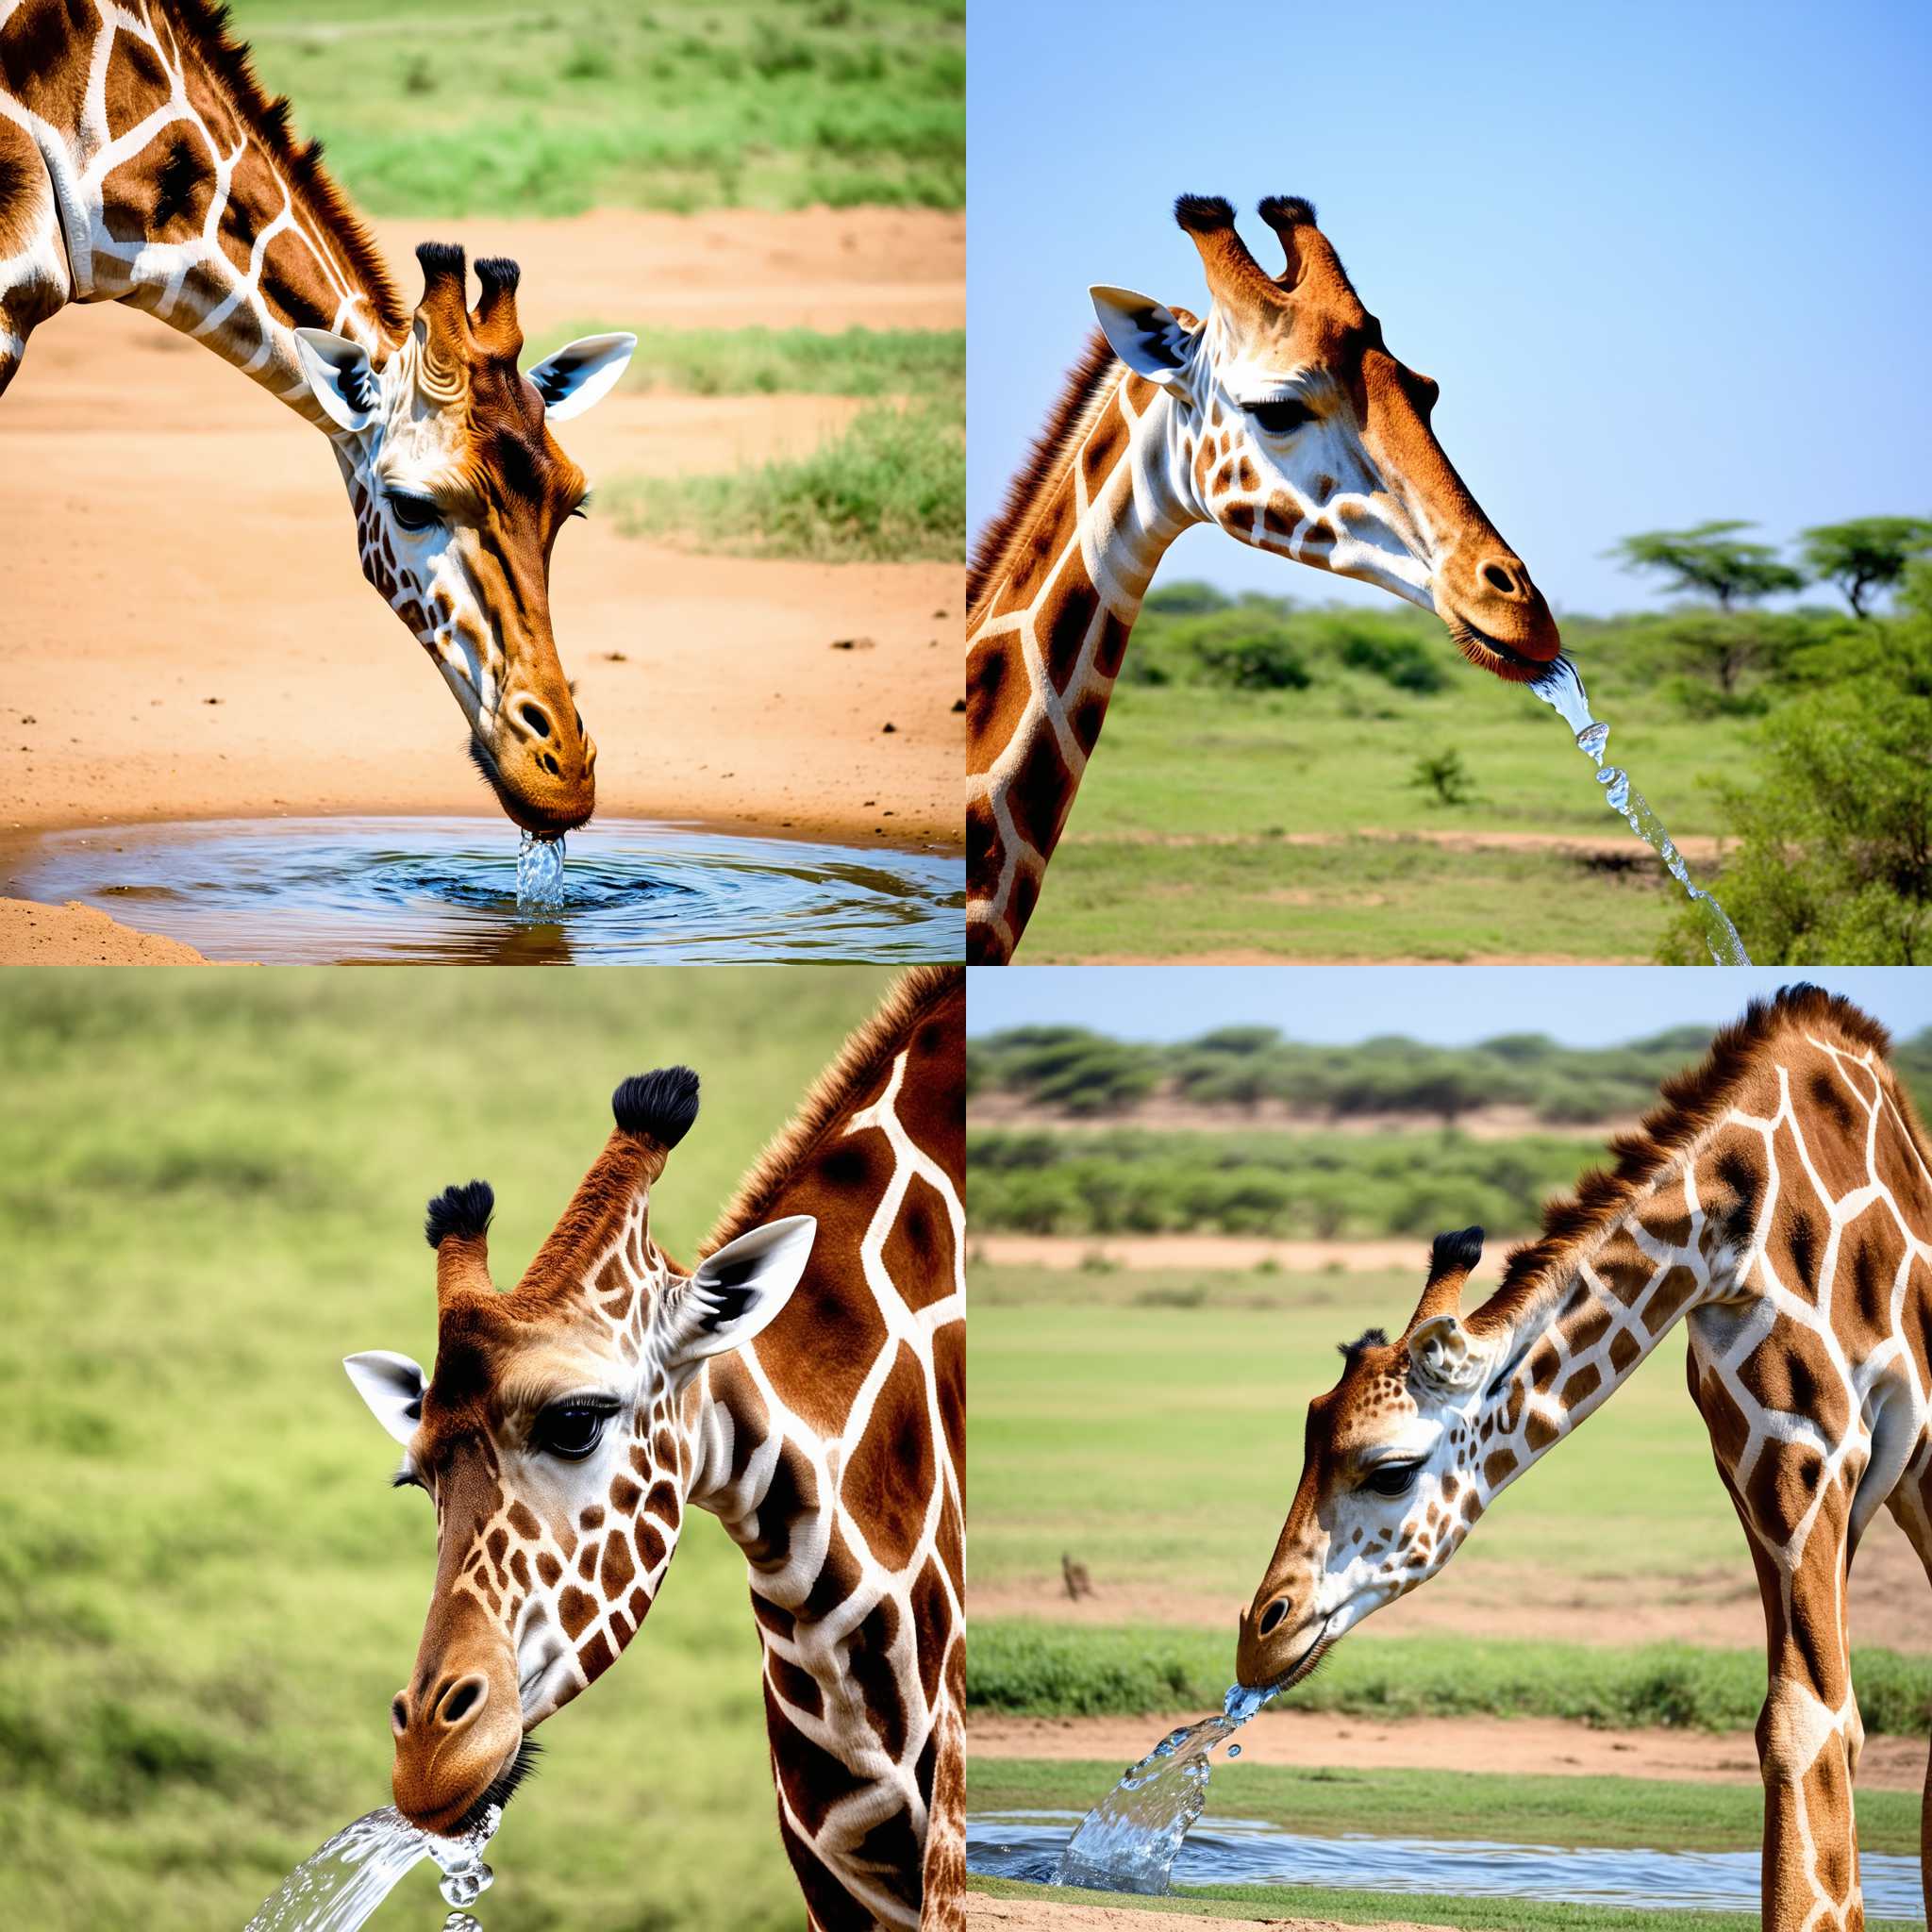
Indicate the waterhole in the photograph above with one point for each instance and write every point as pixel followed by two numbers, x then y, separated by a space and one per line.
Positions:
pixel 428 890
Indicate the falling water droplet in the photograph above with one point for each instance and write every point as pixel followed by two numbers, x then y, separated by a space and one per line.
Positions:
pixel 1233 1750
pixel 1562 689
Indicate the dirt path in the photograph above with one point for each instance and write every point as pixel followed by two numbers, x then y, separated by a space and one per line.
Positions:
pixel 1700 847
pixel 1235 1252
pixel 1044 1915
pixel 188 634
pixel 1317 1740
pixel 77 934
pixel 1715 1608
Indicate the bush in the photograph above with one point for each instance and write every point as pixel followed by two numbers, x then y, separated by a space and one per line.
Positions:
pixel 1836 855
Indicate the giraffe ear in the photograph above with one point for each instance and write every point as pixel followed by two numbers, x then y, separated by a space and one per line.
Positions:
pixel 339 376
pixel 581 373
pixel 1443 1358
pixel 1148 337
pixel 739 1290
pixel 392 1386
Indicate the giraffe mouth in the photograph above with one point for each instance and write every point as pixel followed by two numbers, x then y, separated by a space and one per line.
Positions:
pixel 519 810
pixel 1492 654
pixel 500 1790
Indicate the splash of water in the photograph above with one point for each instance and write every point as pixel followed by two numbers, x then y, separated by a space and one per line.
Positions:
pixel 1129 1840
pixel 540 873
pixel 1562 689
pixel 337 1889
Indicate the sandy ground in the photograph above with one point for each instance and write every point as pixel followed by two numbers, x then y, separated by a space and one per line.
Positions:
pixel 1538 1746
pixel 1239 1252
pixel 1165 1113
pixel 1717 1608
pixel 1698 846
pixel 188 636
pixel 77 935
pixel 1037 1915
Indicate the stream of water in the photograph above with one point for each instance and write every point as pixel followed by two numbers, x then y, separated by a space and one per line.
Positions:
pixel 1129 1840
pixel 540 873
pixel 1562 689
pixel 337 1889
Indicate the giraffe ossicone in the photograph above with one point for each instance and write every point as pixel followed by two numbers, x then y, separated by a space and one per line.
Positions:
pixel 1283 418
pixel 1779 1203
pixel 804 1381
pixel 141 162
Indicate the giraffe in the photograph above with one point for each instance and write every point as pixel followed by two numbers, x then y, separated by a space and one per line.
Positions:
pixel 804 1382
pixel 1283 419
pixel 141 162
pixel 1779 1202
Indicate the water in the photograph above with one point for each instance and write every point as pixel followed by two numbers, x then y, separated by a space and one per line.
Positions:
pixel 540 873
pixel 1562 689
pixel 1238 1851
pixel 321 892
pixel 1129 1840
pixel 338 1889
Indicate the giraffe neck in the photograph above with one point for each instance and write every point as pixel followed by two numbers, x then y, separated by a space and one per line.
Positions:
pixel 174 197
pixel 1559 1356
pixel 1048 636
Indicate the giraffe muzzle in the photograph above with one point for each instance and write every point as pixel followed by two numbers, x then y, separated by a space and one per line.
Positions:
pixel 456 1741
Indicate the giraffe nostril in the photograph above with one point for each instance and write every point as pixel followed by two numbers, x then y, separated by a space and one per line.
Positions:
pixel 460 1700
pixel 1274 1614
pixel 1499 577
pixel 536 718
pixel 399 1714
pixel 550 765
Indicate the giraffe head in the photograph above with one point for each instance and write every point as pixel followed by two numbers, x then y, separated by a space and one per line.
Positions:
pixel 556 1441
pixel 459 490
pixel 1305 437
pixel 1391 1479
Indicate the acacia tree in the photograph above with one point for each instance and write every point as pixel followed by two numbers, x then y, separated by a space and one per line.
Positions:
pixel 1865 554
pixel 1711 559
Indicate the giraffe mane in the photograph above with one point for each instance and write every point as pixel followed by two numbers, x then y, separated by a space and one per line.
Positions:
pixel 1690 1103
pixel 1051 449
pixel 863 1060
pixel 204 29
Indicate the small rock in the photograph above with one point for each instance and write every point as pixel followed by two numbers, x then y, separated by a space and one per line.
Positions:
pixel 30 719
pixel 959 704
pixel 615 658
pixel 210 701
pixel 888 726
pixel 854 644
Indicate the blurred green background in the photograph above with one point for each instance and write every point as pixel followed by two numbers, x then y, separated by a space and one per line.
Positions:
pixel 212 1188
pixel 493 107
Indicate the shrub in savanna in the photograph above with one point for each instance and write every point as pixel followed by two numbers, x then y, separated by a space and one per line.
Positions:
pixel 1834 861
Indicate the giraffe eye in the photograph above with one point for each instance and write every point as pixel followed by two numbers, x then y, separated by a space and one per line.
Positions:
pixel 1281 419
pixel 1392 1478
pixel 413 512
pixel 570 1429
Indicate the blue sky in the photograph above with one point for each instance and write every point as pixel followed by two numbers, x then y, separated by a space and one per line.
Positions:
pixel 1582 1005
pixel 1667 262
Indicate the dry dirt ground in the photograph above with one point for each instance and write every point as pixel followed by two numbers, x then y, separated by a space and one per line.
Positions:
pixel 1319 1742
pixel 1718 1607
pixel 1037 1915
pixel 188 634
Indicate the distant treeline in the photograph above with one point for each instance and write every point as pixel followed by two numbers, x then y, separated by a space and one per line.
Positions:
pixel 1704 660
pixel 1128 1179
pixel 1327 1187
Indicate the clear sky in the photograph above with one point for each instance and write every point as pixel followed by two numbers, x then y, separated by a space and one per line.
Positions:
pixel 1667 262
pixel 1449 1006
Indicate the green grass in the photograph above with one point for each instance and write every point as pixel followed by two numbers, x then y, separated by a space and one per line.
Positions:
pixel 212 1188
pixel 1250 768
pixel 890 489
pixel 1161 1443
pixel 1619 1813
pixel 1045 1670
pixel 488 106
pixel 1302 1902
pixel 872 362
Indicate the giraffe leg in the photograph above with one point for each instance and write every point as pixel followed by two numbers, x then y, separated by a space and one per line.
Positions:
pixel 1911 1505
pixel 34 278
pixel 1808 1730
